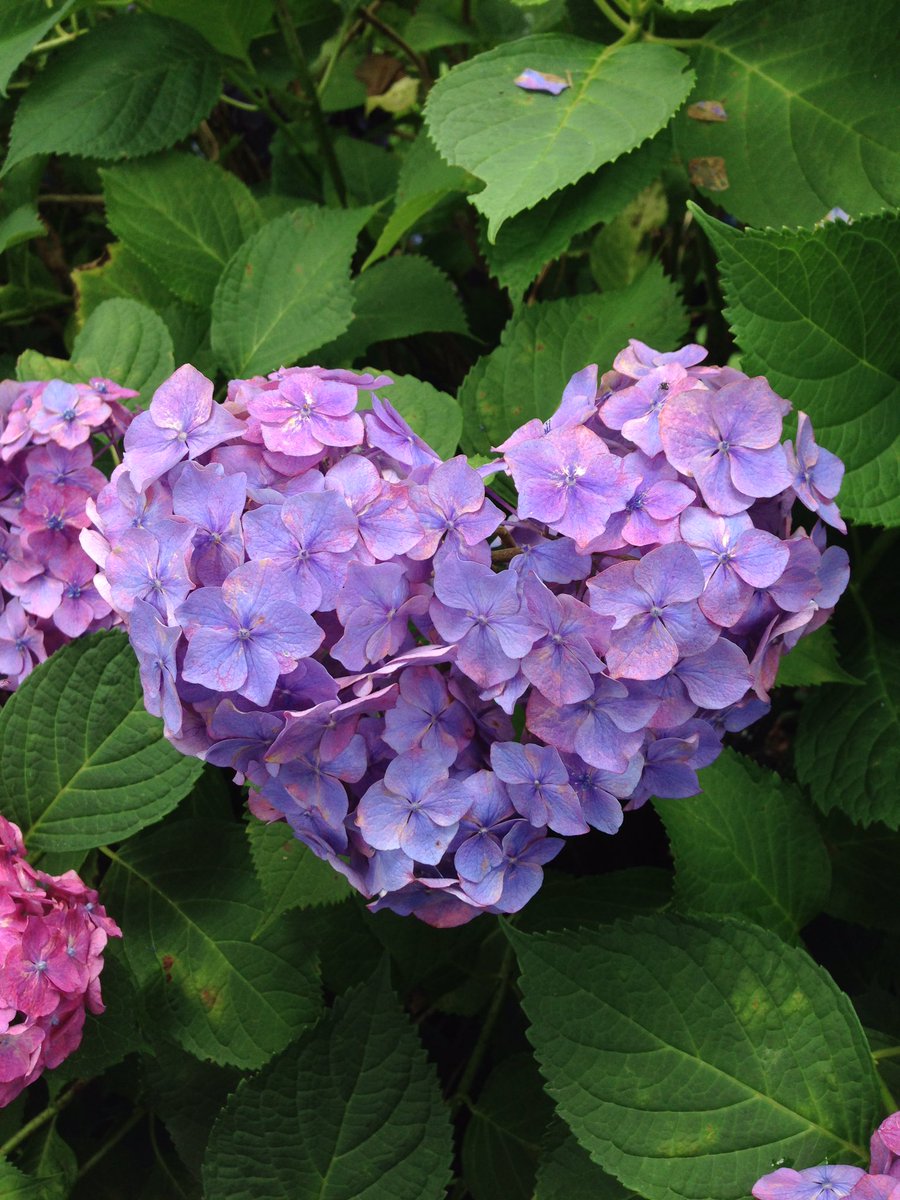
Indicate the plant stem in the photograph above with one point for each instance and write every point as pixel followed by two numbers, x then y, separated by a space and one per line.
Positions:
pixel 667 41
pixel 460 1096
pixel 36 1123
pixel 295 51
pixel 52 43
pixel 110 1143
pixel 611 15
pixel 244 107
pixel 887 1052
pixel 505 554
pixel 70 198
pixel 393 36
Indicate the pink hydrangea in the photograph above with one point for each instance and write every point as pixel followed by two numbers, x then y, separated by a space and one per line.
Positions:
pixel 53 932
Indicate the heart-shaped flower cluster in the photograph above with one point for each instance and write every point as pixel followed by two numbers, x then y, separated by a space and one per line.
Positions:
pixel 53 932
pixel 426 682
pixel 50 434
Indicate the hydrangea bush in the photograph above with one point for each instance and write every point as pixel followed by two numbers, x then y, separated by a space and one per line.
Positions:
pixel 360 605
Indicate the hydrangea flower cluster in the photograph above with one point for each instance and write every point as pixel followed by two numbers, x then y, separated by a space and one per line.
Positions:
pixel 53 933
pixel 880 1182
pixel 431 687
pixel 47 479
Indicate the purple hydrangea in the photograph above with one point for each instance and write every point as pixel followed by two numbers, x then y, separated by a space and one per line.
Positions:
pixel 425 677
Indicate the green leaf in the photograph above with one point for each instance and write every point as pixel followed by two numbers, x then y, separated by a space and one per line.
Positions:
pixel 534 238
pixel 22 25
pixel 369 171
pixel 813 661
pixel 16 1185
pixel 110 1036
pixel 570 901
pixel 184 216
pixel 689 1055
pixel 424 170
pixel 544 345
pixel 189 906
pixel 865 885
pixel 811 110
pixel 809 312
pixel 286 291
pixel 123 276
pixel 351 1112
pixel 622 250
pixel 188 1095
pixel 567 1173
pixel 748 845
pixel 290 875
pixel 229 25
pixel 526 145
pixel 435 416
pixel 81 760
pixel 848 744
pixel 128 343
pixel 51 1160
pixel 133 85
pixel 30 366
pixel 502 1141
pixel 401 220
pixel 21 225
pixel 398 298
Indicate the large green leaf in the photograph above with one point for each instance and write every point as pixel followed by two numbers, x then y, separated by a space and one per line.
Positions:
pixel 287 290
pixel 810 312
pixel 749 846
pixel 22 25
pixel 848 744
pixel 573 901
pixel 81 761
pixel 133 85
pixel 398 298
pixel 184 216
pixel 507 1121
pixel 122 276
pixel 526 145
pixel 865 886
pixel 352 1112
pixel 566 1172
pixel 433 414
pixel 544 345
pixel 127 342
pixel 289 873
pixel 113 1034
pixel 188 1095
pixel 689 1055
pixel 229 25
pixel 534 238
pixel 811 96
pixel 189 905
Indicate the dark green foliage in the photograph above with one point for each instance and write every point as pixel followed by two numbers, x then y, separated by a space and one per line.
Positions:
pixel 246 186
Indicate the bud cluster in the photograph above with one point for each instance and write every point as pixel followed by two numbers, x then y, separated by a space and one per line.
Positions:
pixel 432 687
